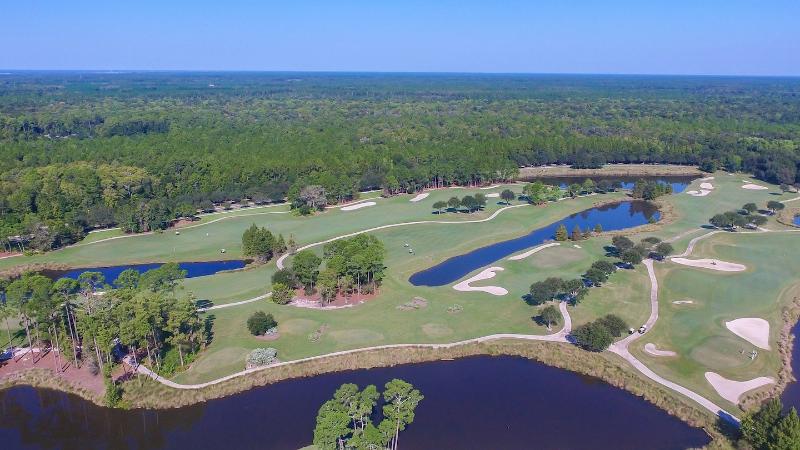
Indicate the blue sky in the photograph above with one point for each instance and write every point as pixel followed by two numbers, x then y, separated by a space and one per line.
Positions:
pixel 731 37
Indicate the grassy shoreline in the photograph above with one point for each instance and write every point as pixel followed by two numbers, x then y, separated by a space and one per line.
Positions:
pixel 148 394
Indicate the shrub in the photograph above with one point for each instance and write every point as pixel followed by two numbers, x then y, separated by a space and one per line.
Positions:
pixel 262 357
pixel 621 243
pixel 281 293
pixel 593 337
pixel 260 322
pixel 614 324
pixel 284 276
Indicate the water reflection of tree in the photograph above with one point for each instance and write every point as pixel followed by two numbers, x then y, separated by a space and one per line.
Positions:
pixel 647 209
pixel 50 419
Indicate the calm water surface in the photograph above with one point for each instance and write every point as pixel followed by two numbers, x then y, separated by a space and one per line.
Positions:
pixel 611 217
pixel 193 269
pixel 473 403
pixel 678 183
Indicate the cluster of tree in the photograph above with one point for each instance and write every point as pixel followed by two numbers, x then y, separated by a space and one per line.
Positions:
pixel 262 245
pixel 470 203
pixel 599 272
pixel 745 217
pixel 346 421
pixel 351 265
pixel 577 234
pixel 538 193
pixel 772 428
pixel 632 254
pixel 139 313
pixel 650 189
pixel 260 322
pixel 265 138
pixel 555 288
pixel 598 335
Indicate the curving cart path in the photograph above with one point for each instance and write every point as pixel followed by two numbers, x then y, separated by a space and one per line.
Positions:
pixel 559 336
pixel 621 348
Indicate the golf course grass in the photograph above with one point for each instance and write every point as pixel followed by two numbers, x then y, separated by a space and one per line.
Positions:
pixel 696 331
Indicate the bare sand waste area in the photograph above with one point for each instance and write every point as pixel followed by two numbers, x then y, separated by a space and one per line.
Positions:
pixel 420 197
pixel 532 251
pixel 486 274
pixel 732 390
pixel 751 329
pixel 709 263
pixel 357 206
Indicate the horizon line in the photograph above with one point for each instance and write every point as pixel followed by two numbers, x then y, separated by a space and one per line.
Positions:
pixel 9 71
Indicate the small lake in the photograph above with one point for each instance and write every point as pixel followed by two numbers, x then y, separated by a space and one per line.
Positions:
pixel 193 269
pixel 678 183
pixel 612 217
pixel 473 403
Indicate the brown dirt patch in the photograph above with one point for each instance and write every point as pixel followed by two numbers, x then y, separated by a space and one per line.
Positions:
pixel 340 300
pixel 269 337
pixel 80 377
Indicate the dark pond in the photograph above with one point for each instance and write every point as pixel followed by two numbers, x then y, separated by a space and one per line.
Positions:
pixel 678 183
pixel 193 269
pixel 791 395
pixel 473 403
pixel 611 217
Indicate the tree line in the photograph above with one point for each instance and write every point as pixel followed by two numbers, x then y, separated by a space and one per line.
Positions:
pixel 149 150
pixel 90 322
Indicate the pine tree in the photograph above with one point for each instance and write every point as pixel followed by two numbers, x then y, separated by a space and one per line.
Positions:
pixel 561 233
pixel 576 233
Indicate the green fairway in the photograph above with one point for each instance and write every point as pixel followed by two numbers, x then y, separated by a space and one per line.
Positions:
pixel 695 331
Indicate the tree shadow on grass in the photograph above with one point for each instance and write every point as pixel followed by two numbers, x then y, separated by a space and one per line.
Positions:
pixel 208 328
pixel 203 304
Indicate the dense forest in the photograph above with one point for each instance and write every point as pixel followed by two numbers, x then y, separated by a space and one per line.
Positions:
pixel 137 150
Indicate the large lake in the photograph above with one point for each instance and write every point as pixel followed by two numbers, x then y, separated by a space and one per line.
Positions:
pixel 615 216
pixel 473 403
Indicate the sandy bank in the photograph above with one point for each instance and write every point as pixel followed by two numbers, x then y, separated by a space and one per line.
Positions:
pixel 752 329
pixel 357 206
pixel 532 251
pixel 486 274
pixel 713 264
pixel 732 390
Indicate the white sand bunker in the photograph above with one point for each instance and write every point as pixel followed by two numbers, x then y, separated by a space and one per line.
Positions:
pixel 683 302
pixel 732 390
pixel 484 275
pixel 754 187
pixel 653 350
pixel 493 195
pixel 752 330
pixel 713 264
pixel 532 251
pixel 357 206
pixel 700 193
pixel 708 186
pixel 420 197
pixel 707 179
pixel 490 187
